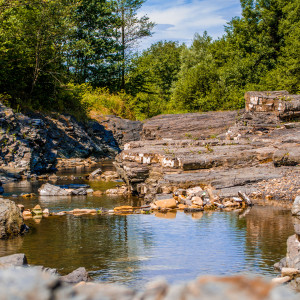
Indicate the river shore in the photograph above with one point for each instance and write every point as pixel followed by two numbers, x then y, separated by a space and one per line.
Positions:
pixel 197 163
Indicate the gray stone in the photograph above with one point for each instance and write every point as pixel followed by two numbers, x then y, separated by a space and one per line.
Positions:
pixel 187 126
pixel 296 207
pixel 293 252
pixel 32 284
pixel 13 260
pixel 11 220
pixel 76 276
pixel 296 223
pixel 95 173
pixel 48 189
pixel 27 284
pixel 79 192
pixel 50 271
pixel 281 264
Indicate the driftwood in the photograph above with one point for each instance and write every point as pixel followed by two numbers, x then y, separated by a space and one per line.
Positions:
pixel 245 213
pixel 245 198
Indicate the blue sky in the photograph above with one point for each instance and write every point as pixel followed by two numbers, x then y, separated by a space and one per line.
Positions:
pixel 179 20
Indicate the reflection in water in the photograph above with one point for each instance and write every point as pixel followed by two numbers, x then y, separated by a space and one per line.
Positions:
pixel 136 248
pixel 167 215
pixel 11 246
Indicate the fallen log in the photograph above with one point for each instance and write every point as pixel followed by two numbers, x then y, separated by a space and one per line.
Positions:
pixel 245 198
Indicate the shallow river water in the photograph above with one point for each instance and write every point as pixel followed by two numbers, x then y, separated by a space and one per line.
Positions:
pixel 135 249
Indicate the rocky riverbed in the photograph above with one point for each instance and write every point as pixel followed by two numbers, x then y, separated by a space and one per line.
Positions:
pixel 35 143
pixel 254 151
pixel 196 163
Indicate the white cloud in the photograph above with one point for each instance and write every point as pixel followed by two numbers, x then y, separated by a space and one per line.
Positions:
pixel 181 19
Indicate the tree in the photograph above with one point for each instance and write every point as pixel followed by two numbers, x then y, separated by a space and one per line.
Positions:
pixel 132 29
pixel 95 54
pixel 33 37
pixel 151 76
pixel 286 75
pixel 197 76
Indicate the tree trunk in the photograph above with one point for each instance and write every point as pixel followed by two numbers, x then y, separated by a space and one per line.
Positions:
pixel 123 50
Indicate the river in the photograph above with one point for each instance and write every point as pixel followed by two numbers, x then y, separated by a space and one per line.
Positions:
pixel 135 249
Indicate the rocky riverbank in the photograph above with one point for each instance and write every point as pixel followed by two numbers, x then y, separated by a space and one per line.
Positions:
pixel 35 143
pixel 255 151
pixel 31 283
pixel 289 266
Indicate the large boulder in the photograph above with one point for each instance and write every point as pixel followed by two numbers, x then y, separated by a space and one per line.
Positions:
pixel 296 207
pixel 11 220
pixel 25 284
pixel 293 252
pixel 76 276
pixel 48 189
pixel 15 260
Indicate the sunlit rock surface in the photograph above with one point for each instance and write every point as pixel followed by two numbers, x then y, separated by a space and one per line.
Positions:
pixel 11 220
pixel 25 284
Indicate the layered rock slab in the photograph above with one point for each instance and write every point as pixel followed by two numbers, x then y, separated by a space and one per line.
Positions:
pixel 33 142
pixel 194 125
pixel 256 149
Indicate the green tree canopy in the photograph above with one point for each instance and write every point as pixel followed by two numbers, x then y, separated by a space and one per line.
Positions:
pixel 34 41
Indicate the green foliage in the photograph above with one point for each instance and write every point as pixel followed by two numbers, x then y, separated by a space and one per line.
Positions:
pixel 151 77
pixel 33 38
pixel 260 51
pixel 77 56
pixel 101 100
pixel 132 29
pixel 95 56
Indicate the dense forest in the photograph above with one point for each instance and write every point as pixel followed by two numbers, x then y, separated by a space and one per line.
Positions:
pixel 79 56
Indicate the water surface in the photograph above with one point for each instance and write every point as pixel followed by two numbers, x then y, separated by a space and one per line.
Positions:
pixel 134 249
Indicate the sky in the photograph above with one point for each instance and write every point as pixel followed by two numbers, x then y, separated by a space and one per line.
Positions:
pixel 179 20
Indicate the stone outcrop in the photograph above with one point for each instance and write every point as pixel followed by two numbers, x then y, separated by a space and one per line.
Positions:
pixel 150 167
pixel 250 151
pixel 33 284
pixel 48 189
pixel 11 220
pixel 32 142
pixel 279 102
pixel 123 130
pixel 188 126
pixel 16 260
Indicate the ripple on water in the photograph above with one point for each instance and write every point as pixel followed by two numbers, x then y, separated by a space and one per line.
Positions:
pixel 135 249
